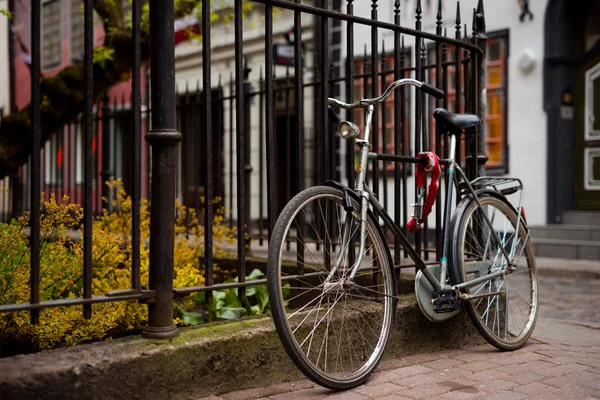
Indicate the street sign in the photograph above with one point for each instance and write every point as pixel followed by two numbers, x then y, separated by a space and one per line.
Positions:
pixel 284 54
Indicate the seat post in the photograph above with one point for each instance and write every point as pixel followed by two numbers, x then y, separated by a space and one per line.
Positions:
pixel 452 152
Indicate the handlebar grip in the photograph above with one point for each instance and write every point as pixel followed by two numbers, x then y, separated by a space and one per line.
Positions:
pixel 433 91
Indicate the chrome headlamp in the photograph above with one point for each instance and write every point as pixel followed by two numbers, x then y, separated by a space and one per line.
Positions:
pixel 348 130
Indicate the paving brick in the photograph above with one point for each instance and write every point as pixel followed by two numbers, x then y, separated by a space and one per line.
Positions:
pixel 415 380
pixel 393 397
pixel 424 392
pixel 488 375
pixel 479 366
pixel 465 394
pixel 381 377
pixel 584 378
pixel 524 378
pixel 212 398
pixel 304 394
pixel 507 396
pixel 378 390
pixel 458 384
pixel 452 353
pixel 562 370
pixel 475 356
pixel 496 385
pixel 421 358
pixel 589 362
pixel 412 370
pixel 534 389
pixel 574 392
pixel 455 372
pixel 269 391
pixel 443 363
pixel 517 358
pixel 526 367
pixel 347 396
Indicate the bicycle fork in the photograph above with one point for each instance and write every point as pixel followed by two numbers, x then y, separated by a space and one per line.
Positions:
pixel 364 206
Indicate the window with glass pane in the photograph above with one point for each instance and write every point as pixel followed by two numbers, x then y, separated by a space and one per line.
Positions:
pixel 495 140
pixel 77 36
pixel 386 111
pixel 497 90
pixel 51 37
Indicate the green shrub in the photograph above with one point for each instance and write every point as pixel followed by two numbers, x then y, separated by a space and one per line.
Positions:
pixel 61 271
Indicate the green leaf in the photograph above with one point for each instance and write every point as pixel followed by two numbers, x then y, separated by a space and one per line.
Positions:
pixel 254 275
pixel 262 297
pixel 230 313
pixel 255 310
pixel 231 298
pixel 200 298
pixel 219 295
pixel 192 318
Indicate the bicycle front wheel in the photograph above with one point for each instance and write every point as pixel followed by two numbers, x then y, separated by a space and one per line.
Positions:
pixel 334 329
pixel 506 315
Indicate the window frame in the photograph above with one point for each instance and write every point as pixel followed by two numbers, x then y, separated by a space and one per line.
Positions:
pixel 501 167
pixel 504 36
pixel 45 65
pixel 361 62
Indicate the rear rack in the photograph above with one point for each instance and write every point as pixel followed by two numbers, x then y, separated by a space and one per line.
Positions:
pixel 505 186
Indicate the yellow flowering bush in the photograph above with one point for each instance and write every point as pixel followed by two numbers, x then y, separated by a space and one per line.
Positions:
pixel 61 270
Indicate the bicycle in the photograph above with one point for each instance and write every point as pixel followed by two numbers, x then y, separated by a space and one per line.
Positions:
pixel 332 282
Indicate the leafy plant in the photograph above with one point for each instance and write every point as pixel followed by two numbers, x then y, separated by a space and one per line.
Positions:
pixel 226 304
pixel 61 272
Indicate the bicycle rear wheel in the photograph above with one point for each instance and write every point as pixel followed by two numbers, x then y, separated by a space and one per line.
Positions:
pixel 505 320
pixel 335 332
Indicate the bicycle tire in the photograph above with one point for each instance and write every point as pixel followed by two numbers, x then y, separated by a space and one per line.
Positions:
pixel 339 370
pixel 506 331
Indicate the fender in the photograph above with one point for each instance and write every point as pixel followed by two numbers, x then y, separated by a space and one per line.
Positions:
pixel 353 195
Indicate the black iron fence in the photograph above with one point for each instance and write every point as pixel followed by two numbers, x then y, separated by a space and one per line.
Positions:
pixel 248 144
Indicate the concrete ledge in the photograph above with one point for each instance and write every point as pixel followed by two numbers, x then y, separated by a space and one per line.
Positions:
pixel 211 359
pixel 568 268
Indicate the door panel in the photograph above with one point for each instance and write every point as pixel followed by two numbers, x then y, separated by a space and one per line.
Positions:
pixel 587 140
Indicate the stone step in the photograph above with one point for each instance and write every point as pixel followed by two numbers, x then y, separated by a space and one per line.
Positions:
pixel 589 218
pixel 570 249
pixel 566 232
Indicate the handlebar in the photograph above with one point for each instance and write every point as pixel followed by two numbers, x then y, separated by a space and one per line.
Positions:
pixel 433 91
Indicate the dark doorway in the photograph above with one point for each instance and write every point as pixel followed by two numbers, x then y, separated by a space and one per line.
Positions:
pixel 190 110
pixel 286 142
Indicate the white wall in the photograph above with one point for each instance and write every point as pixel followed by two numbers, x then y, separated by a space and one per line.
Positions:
pixel 4 74
pixel 526 131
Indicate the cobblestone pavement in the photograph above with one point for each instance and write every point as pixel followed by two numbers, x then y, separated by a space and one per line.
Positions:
pixel 561 361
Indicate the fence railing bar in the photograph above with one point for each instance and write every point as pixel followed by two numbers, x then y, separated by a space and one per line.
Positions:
pixel 35 166
pixel 145 294
pixel 87 162
pixel 261 156
pixel 240 146
pixel 270 123
pixel 136 109
pixel 438 137
pixel 286 4
pixel 418 108
pixel 375 91
pixel 208 186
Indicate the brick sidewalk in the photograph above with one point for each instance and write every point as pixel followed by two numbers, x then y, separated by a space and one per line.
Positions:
pixel 550 370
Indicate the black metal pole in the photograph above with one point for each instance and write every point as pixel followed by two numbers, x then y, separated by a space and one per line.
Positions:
pixel 35 159
pixel 106 145
pixel 164 139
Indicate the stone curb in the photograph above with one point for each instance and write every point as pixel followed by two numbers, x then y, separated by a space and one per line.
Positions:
pixel 202 361
pixel 565 268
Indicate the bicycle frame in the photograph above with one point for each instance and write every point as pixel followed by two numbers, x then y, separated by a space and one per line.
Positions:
pixel 368 198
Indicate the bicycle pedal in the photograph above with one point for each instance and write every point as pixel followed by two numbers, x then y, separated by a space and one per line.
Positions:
pixel 445 300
